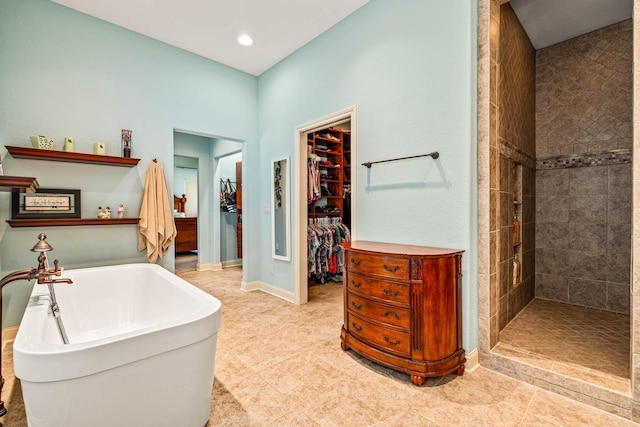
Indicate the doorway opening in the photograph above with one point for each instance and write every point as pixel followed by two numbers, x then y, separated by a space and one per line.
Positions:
pixel 185 212
pixel 330 144
pixel 210 235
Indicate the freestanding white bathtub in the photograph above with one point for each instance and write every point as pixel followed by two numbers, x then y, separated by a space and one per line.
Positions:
pixel 141 350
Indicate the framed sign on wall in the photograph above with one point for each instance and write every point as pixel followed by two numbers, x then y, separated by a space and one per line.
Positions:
pixel 46 203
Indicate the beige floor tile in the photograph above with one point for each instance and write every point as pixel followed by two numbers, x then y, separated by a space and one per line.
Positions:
pixel 566 412
pixel 278 364
pixel 410 419
pixel 294 419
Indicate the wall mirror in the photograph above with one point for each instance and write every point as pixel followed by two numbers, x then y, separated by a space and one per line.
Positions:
pixel 280 209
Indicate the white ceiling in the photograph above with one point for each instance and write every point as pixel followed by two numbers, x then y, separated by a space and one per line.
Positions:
pixel 548 22
pixel 210 27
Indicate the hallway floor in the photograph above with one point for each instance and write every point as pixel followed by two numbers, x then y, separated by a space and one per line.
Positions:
pixel 279 364
pixel 584 343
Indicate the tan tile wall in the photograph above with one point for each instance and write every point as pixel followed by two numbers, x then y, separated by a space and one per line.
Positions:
pixel 516 84
pixel 584 93
pixel 513 114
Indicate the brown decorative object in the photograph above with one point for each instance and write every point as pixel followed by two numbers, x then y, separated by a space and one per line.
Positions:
pixel 126 142
pixel 65 156
pixel 403 307
pixel 179 202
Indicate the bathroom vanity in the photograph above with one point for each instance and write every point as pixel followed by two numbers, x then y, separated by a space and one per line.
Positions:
pixel 403 307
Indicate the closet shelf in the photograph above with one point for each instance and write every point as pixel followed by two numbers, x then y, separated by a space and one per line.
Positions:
pixel 328 180
pixel 65 222
pixel 18 183
pixel 327 140
pixel 73 157
pixel 337 153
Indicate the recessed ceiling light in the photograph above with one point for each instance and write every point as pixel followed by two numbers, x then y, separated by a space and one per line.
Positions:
pixel 245 40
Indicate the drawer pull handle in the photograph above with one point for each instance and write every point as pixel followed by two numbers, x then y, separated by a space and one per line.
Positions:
pixel 356 285
pixel 357 306
pixel 356 327
pixel 386 338
pixel 354 262
pixel 389 269
pixel 387 292
pixel 389 313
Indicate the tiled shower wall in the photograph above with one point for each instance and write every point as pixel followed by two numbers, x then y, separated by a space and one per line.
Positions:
pixel 583 236
pixel 584 93
pixel 583 214
pixel 512 140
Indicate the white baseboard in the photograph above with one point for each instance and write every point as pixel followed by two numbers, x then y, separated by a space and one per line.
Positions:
pixel 209 266
pixel 232 263
pixel 268 289
pixel 472 362
pixel 250 286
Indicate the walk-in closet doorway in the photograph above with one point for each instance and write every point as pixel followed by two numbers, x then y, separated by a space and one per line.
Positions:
pixel 345 119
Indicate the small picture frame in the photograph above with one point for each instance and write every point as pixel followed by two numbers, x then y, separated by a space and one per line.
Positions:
pixel 46 203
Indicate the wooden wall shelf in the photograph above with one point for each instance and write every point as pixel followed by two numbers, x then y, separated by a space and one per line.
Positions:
pixel 18 183
pixel 64 156
pixel 66 222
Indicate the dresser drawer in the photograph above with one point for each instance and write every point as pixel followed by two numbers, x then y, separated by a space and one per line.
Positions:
pixel 392 341
pixel 382 313
pixel 381 265
pixel 381 289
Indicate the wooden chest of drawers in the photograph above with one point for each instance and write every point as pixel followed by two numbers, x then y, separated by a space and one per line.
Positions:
pixel 187 237
pixel 403 307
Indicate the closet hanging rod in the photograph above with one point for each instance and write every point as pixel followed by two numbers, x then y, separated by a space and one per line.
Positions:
pixel 433 155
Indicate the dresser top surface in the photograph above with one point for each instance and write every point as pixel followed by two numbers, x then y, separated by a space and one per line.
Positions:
pixel 398 249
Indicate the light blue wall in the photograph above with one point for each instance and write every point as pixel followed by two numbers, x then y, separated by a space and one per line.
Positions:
pixel 63 73
pixel 409 67
pixel 183 169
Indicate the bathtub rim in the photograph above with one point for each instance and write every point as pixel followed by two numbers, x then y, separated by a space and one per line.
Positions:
pixel 39 361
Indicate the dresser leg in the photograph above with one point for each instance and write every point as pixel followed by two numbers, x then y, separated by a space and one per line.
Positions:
pixel 418 380
pixel 460 370
pixel 344 345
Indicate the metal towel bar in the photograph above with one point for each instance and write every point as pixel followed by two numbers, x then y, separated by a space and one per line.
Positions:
pixel 433 155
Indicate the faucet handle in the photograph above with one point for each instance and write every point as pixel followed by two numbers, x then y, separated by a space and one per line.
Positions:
pixel 56 265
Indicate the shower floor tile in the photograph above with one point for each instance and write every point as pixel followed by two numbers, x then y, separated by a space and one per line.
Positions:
pixel 584 343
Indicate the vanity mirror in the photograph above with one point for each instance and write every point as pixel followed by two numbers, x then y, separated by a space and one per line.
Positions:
pixel 280 209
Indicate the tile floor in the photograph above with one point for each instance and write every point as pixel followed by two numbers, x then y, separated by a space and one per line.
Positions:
pixel 584 343
pixel 278 364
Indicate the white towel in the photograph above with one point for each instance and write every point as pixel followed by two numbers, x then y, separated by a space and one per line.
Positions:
pixel 156 229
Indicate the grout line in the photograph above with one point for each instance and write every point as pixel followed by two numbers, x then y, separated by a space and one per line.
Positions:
pixel 526 411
